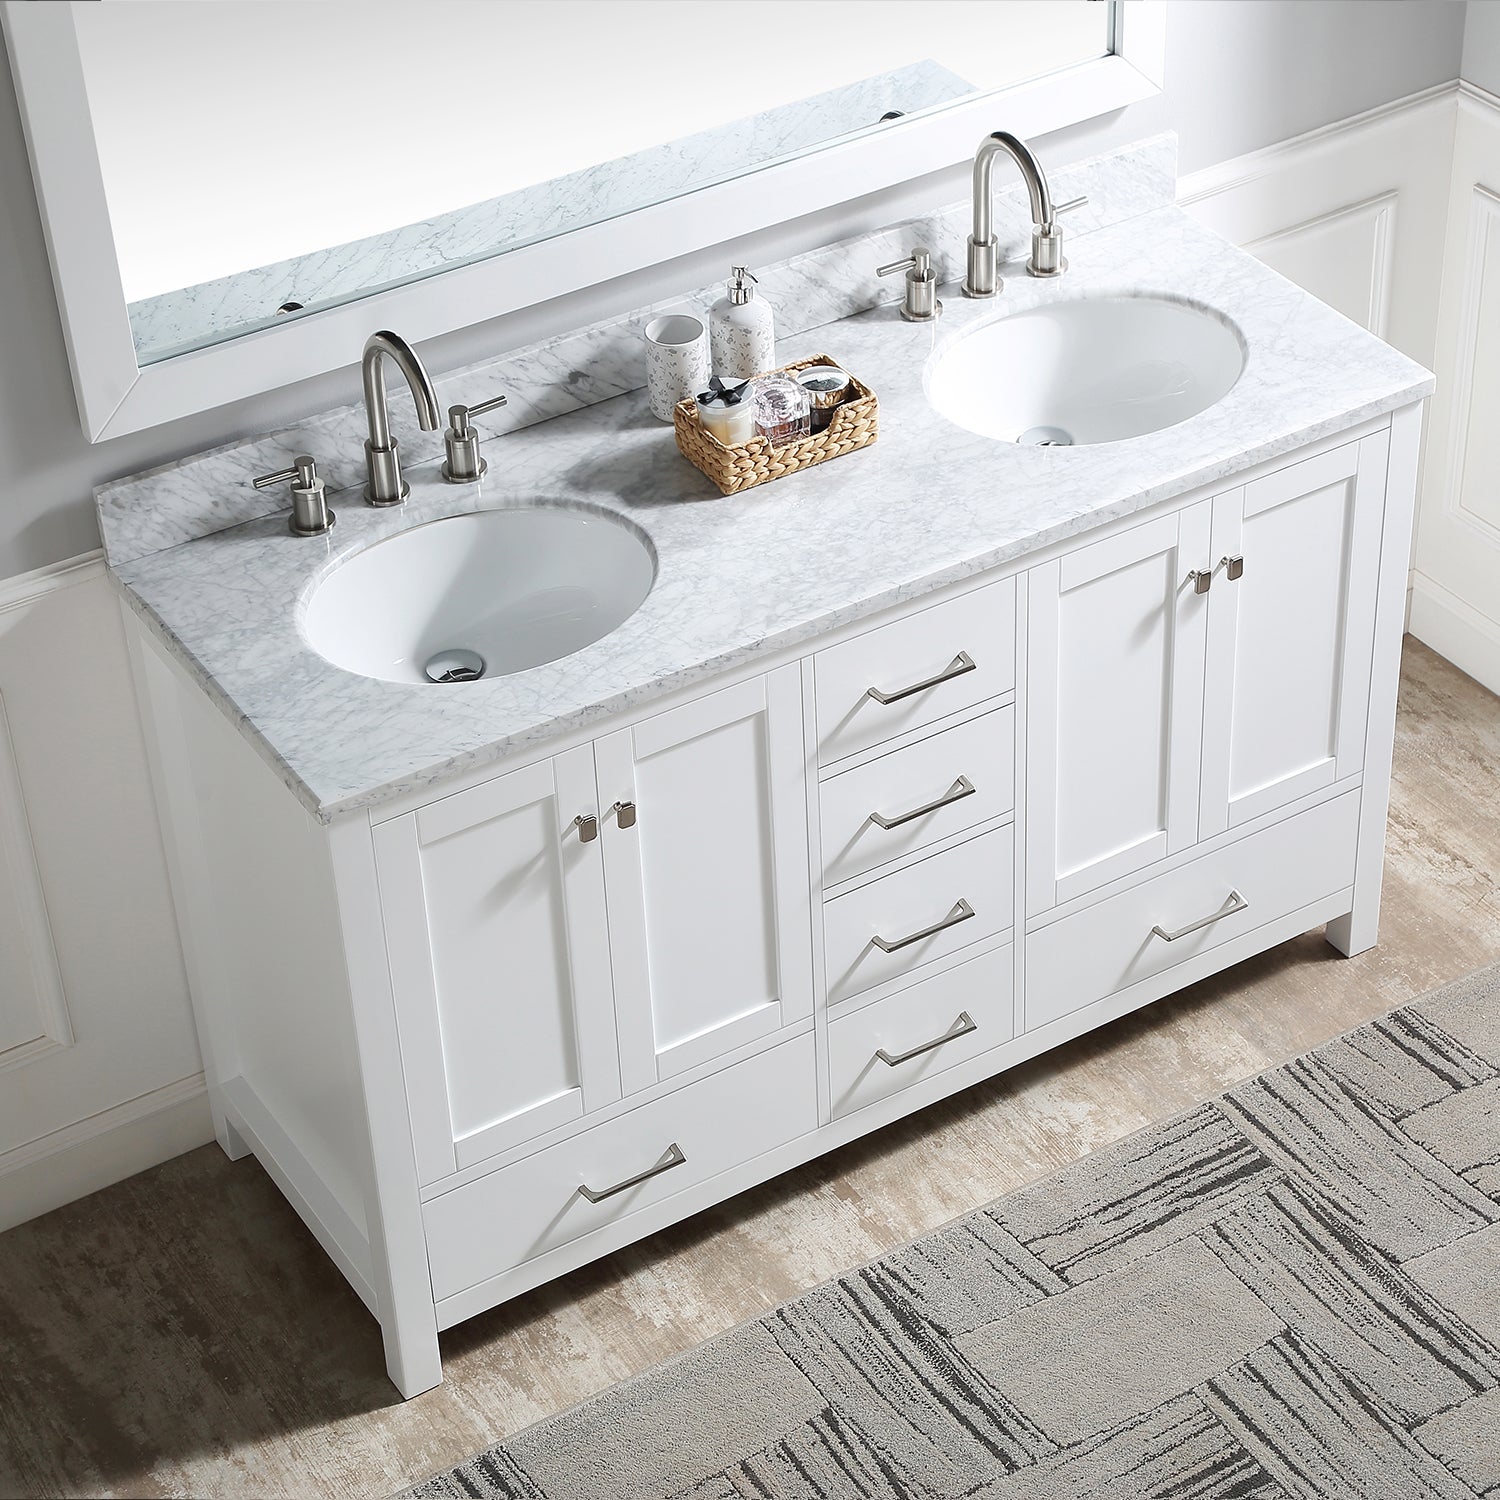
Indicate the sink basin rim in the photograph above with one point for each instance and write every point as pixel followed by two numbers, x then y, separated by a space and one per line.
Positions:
pixel 1065 305
pixel 309 630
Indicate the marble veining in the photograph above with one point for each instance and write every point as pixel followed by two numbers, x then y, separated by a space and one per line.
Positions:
pixel 196 316
pixel 211 491
pixel 927 505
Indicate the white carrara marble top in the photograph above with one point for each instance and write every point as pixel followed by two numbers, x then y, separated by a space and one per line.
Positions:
pixel 742 576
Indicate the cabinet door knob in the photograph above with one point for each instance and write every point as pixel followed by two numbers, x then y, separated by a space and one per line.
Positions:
pixel 1201 579
pixel 1234 567
pixel 587 825
pixel 625 814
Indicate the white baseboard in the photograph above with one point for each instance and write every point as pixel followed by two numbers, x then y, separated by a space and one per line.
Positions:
pixel 1456 630
pixel 104 1148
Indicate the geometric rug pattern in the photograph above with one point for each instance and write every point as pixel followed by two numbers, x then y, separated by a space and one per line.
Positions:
pixel 1292 1290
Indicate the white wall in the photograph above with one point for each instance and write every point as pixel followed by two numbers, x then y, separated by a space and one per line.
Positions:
pixel 1455 596
pixel 1345 212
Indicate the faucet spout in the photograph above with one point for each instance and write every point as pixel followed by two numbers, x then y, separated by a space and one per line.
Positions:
pixel 382 456
pixel 1046 241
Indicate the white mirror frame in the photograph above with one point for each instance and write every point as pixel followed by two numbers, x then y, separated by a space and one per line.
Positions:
pixel 117 396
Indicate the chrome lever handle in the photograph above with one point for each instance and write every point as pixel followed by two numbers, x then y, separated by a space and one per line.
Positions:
pixel 960 664
pixel 961 912
pixel 1235 903
pixel 960 789
pixel 463 463
pixel 673 1158
pixel 961 1027
pixel 1068 207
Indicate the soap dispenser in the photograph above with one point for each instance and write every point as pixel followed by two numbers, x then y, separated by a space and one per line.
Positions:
pixel 741 334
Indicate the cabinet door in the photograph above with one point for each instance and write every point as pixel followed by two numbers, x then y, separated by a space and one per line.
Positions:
pixel 1290 632
pixel 1115 646
pixel 498 945
pixel 709 892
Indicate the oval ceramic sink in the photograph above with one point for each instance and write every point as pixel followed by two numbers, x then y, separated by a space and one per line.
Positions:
pixel 1089 370
pixel 508 589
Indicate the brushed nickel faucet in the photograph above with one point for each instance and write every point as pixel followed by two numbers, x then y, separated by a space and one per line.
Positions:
pixel 1046 237
pixel 382 459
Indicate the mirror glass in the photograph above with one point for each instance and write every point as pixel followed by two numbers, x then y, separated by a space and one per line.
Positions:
pixel 263 160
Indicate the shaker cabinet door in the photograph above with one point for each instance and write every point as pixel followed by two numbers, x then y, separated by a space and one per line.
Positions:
pixel 497 939
pixel 1116 634
pixel 704 826
pixel 1291 626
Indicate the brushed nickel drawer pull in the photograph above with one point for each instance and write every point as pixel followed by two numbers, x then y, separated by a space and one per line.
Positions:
pixel 961 1027
pixel 961 912
pixel 1236 902
pixel 960 789
pixel 587 825
pixel 673 1158
pixel 1234 567
pixel 625 814
pixel 960 664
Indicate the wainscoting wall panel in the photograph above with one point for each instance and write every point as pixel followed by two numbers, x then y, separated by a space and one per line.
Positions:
pixel 1352 212
pixel 99 1068
pixel 1455 601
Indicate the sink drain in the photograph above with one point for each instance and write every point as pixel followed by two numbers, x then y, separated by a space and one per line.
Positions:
pixel 1046 437
pixel 457 665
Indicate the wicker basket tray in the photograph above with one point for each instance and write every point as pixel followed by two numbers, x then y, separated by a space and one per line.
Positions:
pixel 853 425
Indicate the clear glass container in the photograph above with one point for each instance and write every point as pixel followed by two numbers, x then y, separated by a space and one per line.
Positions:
pixel 782 409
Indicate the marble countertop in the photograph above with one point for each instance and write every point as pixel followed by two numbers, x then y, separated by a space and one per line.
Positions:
pixel 742 576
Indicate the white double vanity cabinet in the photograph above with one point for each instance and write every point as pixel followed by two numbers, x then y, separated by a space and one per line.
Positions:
pixel 489 1029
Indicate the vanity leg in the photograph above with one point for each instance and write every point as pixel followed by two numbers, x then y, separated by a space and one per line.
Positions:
pixel 412 1357
pixel 1359 928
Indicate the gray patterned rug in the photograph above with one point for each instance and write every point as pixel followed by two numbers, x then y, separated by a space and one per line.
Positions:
pixel 1292 1290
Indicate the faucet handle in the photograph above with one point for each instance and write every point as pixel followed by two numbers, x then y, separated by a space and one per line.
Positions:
pixel 920 304
pixel 1069 206
pixel 310 513
pixel 464 464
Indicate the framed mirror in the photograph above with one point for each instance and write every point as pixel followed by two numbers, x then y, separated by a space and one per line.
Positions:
pixel 235 194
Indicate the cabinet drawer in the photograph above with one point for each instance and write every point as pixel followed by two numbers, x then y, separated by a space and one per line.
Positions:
pixel 964 775
pixel 534 1205
pixel 919 913
pixel 1107 947
pixel 968 1007
pixel 924 648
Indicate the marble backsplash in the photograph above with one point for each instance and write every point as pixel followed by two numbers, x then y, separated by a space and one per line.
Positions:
pixel 211 491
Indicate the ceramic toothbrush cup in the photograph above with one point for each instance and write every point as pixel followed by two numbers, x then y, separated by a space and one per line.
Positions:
pixel 676 361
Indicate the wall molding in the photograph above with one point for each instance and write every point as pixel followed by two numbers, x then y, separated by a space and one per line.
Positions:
pixel 102 1149
pixel 1241 171
pixel 26 588
pixel 1455 630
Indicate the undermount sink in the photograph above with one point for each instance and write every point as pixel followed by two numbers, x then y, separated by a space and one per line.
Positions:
pixel 481 595
pixel 1086 370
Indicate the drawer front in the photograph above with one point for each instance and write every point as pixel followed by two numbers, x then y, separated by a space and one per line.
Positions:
pixel 931 898
pixel 924 648
pixel 963 776
pixel 888 1046
pixel 1107 947
pixel 534 1205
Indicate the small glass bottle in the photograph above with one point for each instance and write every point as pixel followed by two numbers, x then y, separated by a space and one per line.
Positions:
pixel 782 409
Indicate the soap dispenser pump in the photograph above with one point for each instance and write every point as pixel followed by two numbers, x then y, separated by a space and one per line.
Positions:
pixel 741 331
